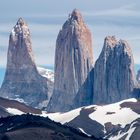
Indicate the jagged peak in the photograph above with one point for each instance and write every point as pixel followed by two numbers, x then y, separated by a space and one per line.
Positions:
pixel 125 46
pixel 76 16
pixel 110 41
pixel 123 42
pixel 21 22
pixel 20 27
pixel 75 19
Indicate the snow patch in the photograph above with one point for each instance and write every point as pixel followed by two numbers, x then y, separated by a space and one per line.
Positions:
pixel 1 124
pixel 20 100
pixel 63 117
pixel 9 128
pixel 130 132
pixel 14 111
pixel 120 115
pixel 46 73
pixel 84 132
pixel 120 135
pixel 13 32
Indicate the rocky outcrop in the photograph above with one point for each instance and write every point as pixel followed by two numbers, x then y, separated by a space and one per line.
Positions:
pixel 85 94
pixel 114 76
pixel 73 62
pixel 22 79
pixel 138 76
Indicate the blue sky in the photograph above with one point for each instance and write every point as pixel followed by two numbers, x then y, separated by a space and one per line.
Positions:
pixel 45 18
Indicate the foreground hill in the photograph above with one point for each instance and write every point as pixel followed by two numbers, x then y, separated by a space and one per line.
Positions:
pixel 113 121
pixel 29 127
pixel 11 107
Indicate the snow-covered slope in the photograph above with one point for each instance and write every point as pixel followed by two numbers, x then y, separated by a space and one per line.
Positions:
pixel 46 73
pixel 113 121
pixel 49 74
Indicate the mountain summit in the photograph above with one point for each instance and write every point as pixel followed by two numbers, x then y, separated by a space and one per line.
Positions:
pixel 22 79
pixel 114 75
pixel 76 16
pixel 73 62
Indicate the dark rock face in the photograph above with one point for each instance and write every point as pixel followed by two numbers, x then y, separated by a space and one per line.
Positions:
pixel 115 130
pixel 85 94
pixel 114 76
pixel 138 76
pixel 22 79
pixel 87 124
pixel 73 62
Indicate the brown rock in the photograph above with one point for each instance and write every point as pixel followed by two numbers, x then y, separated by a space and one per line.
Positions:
pixel 73 62
pixel 22 79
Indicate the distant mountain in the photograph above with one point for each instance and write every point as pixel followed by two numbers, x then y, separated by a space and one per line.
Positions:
pixel 29 127
pixel 48 73
pixel 22 80
pixel 113 121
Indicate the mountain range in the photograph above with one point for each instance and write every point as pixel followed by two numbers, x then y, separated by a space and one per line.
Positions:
pixel 81 99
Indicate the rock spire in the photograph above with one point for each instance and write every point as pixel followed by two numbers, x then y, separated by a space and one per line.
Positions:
pixel 114 76
pixel 22 79
pixel 73 62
